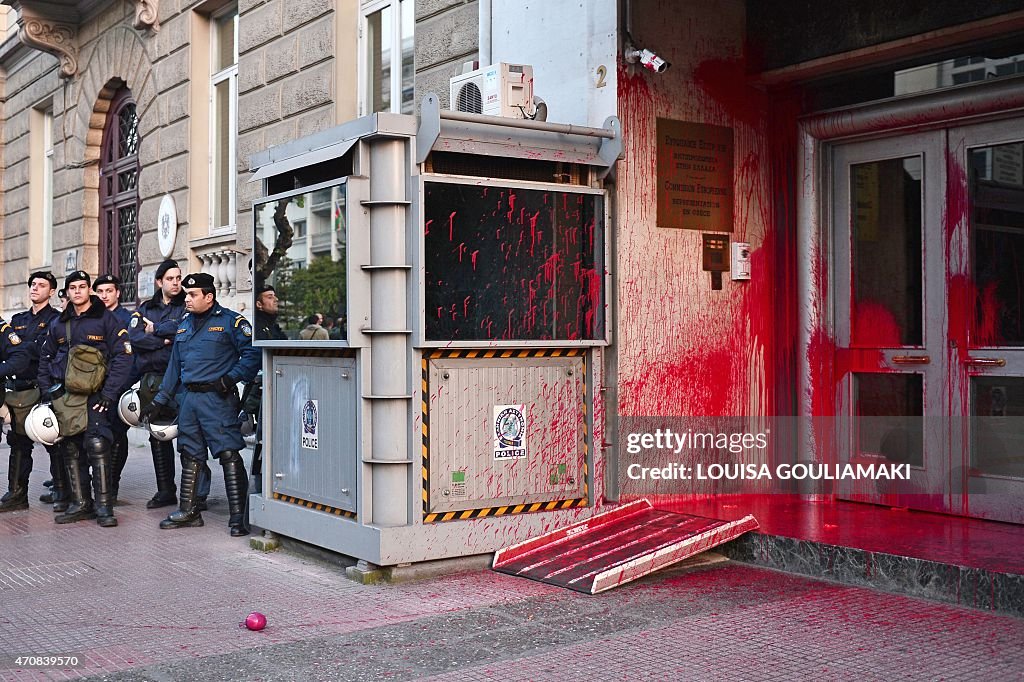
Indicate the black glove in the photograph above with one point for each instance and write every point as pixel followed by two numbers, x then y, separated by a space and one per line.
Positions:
pixel 52 393
pixel 103 404
pixel 226 385
pixel 157 412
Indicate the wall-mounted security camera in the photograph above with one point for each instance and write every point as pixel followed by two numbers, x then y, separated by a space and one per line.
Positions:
pixel 647 59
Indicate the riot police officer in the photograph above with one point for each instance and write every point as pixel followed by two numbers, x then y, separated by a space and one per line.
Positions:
pixel 14 360
pixel 212 353
pixel 152 330
pixel 108 290
pixel 86 322
pixel 22 393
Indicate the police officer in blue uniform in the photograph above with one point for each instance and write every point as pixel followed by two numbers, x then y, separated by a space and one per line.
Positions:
pixel 90 324
pixel 31 326
pixel 108 290
pixel 212 353
pixel 14 359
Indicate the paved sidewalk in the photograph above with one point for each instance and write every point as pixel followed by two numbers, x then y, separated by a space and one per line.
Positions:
pixel 137 603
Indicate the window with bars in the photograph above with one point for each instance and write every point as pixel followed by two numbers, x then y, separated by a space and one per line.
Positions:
pixel 119 194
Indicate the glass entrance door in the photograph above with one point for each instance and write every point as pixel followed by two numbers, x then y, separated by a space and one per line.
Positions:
pixel 928 291
pixel 987 273
pixel 889 325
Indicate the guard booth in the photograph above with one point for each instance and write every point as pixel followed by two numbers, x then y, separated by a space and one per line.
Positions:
pixel 444 290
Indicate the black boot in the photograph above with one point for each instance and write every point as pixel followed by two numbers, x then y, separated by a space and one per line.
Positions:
pixel 118 458
pixel 98 450
pixel 20 467
pixel 163 465
pixel 59 481
pixel 79 485
pixel 187 514
pixel 236 484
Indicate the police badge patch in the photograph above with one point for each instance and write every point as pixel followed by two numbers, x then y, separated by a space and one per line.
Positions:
pixel 14 339
pixel 246 329
pixel 128 347
pixel 135 322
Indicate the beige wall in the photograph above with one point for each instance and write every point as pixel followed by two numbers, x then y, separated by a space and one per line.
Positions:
pixel 684 349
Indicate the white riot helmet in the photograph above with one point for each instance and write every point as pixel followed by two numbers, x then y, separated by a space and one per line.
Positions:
pixel 164 431
pixel 41 425
pixel 129 407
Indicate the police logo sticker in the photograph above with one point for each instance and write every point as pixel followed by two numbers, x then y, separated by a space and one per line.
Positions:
pixel 509 431
pixel 311 425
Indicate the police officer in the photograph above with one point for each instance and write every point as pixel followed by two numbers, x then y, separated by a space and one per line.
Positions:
pixel 108 290
pixel 152 330
pixel 85 321
pixel 212 353
pixel 15 359
pixel 267 328
pixel 31 327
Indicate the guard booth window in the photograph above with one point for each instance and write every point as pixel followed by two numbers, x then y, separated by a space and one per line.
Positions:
pixel 300 244
pixel 513 263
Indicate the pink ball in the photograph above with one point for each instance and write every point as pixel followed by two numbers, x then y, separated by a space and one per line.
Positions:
pixel 256 621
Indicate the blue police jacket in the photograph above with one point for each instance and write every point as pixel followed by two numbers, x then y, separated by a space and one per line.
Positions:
pixel 215 344
pixel 125 316
pixel 31 329
pixel 15 357
pixel 97 327
pixel 152 350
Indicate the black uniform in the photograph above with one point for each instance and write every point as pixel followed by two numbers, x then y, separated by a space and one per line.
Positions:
pixel 153 351
pixel 15 359
pixel 99 328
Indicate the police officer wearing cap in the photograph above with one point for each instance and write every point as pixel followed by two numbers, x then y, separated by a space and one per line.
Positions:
pixel 14 360
pixel 85 321
pixel 152 329
pixel 108 290
pixel 212 353
pixel 31 327
pixel 267 328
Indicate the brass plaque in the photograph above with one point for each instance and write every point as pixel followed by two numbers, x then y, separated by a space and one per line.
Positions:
pixel 695 176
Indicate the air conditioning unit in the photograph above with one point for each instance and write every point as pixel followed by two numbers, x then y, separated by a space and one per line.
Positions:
pixel 496 90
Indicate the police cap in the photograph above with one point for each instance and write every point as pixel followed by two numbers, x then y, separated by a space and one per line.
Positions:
pixel 264 289
pixel 108 279
pixel 43 274
pixel 162 269
pixel 78 276
pixel 200 280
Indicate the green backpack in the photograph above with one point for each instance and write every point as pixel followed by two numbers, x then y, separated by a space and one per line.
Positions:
pixel 87 367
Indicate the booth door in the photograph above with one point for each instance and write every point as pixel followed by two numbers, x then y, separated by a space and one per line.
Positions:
pixel 313 454
pixel 928 290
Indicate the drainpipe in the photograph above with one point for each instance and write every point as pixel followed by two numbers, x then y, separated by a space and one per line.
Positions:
pixel 484 37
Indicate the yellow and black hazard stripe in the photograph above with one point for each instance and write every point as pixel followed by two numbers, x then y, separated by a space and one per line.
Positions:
pixel 508 353
pixel 506 510
pixel 315 352
pixel 484 512
pixel 315 505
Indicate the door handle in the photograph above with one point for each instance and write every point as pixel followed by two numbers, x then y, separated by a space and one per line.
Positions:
pixel 985 362
pixel 911 359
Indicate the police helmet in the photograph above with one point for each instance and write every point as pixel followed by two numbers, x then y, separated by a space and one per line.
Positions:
pixel 41 425
pixel 129 407
pixel 164 431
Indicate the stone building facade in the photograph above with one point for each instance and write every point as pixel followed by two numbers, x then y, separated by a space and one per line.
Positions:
pixel 206 85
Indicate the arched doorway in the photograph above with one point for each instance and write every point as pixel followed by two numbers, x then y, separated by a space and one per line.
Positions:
pixel 119 193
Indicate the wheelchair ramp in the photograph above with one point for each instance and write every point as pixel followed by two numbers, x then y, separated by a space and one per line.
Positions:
pixel 616 547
